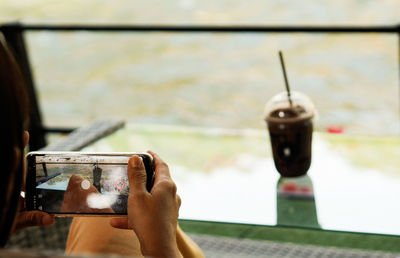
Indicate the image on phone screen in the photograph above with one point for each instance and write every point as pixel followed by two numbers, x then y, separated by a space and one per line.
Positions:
pixel 79 184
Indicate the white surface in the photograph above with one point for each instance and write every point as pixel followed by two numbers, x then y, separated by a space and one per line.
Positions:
pixel 85 184
pixel 62 186
pixel 348 198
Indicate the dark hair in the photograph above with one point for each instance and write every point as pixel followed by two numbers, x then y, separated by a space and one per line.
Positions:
pixel 14 120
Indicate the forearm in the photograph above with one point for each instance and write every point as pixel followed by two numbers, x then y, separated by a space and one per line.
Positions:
pixel 160 247
pixel 187 247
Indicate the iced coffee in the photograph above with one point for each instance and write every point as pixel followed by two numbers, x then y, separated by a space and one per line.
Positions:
pixel 290 129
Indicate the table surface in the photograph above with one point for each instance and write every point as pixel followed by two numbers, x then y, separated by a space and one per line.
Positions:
pixel 226 175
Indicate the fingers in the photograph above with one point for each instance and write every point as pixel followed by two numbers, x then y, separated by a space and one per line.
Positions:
pixel 26 138
pixel 178 200
pixel 121 223
pixel 47 219
pixel 33 218
pixel 136 175
pixel 162 177
pixel 160 167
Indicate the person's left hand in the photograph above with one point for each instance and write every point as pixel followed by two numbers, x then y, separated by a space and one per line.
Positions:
pixel 26 218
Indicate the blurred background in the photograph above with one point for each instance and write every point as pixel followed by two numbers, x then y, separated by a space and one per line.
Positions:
pixel 198 99
pixel 212 80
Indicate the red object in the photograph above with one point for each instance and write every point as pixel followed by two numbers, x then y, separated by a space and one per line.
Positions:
pixel 305 189
pixel 120 185
pixel 289 187
pixel 335 129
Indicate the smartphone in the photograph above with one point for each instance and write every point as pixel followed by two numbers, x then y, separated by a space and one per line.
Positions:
pixel 79 183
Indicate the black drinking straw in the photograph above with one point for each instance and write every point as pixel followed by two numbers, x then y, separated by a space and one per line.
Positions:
pixel 285 76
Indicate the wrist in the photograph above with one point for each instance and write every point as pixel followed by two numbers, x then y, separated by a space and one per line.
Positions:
pixel 166 250
pixel 160 245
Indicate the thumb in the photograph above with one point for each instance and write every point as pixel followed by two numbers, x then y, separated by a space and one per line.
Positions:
pixel 136 175
pixel 121 223
pixel 33 218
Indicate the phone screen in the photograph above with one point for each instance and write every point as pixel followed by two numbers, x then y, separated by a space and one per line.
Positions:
pixel 80 183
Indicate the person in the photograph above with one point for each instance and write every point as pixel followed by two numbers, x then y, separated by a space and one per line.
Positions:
pixel 152 216
pixel 149 214
pixel 14 113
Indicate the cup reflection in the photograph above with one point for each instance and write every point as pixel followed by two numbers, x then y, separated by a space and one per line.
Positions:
pixel 296 202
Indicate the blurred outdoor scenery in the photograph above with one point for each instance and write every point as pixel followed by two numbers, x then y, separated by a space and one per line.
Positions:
pixel 212 80
pixel 198 99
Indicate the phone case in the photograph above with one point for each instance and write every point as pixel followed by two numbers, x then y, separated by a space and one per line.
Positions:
pixel 81 184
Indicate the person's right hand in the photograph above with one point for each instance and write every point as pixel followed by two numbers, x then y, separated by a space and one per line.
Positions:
pixel 152 215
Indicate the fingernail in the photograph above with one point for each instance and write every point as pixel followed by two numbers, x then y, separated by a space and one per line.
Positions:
pixel 47 220
pixel 137 162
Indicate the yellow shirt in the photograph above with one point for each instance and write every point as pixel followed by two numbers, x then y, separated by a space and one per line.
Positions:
pixel 95 235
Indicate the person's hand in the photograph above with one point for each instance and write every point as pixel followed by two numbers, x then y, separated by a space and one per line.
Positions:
pixel 82 197
pixel 152 215
pixel 26 218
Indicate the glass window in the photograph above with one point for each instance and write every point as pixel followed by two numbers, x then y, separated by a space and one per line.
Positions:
pixel 215 80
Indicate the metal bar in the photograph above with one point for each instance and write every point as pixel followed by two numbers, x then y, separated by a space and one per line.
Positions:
pixel 213 28
pixel 398 59
pixel 13 35
pixel 388 29
pixel 83 163
pixel 58 130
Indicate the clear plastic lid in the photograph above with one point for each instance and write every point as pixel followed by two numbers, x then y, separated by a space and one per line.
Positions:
pixel 279 107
